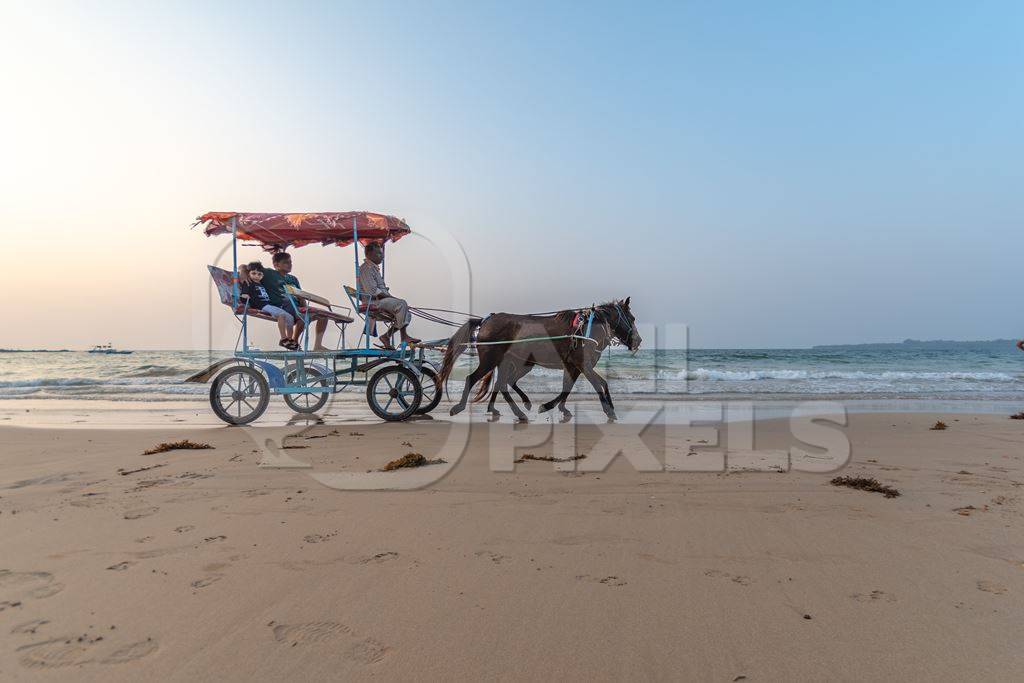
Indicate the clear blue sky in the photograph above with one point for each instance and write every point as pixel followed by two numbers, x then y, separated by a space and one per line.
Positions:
pixel 772 174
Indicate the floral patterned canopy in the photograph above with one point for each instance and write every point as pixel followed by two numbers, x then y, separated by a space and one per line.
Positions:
pixel 278 231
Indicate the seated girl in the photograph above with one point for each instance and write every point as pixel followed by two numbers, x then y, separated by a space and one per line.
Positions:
pixel 257 297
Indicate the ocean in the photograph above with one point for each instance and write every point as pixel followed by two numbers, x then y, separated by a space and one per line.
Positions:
pixel 967 372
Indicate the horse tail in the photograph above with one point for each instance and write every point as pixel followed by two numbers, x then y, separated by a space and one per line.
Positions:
pixel 485 386
pixel 456 345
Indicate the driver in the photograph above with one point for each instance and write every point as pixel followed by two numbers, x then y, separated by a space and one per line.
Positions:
pixel 373 288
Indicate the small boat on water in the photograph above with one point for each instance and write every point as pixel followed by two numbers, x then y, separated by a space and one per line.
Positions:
pixel 107 349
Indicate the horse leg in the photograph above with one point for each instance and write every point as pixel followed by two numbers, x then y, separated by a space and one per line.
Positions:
pixel 568 380
pixel 507 395
pixel 566 413
pixel 516 374
pixel 490 404
pixel 507 372
pixel 522 395
pixel 601 387
pixel 487 363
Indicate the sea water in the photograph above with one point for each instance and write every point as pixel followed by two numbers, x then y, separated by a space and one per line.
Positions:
pixel 968 373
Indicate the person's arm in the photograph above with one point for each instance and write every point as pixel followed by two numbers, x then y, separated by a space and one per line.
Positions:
pixel 382 288
pixel 299 301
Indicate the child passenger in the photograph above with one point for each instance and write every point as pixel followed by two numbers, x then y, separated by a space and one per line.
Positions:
pixel 258 299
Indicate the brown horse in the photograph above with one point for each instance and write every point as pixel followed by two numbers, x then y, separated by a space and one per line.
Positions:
pixel 513 344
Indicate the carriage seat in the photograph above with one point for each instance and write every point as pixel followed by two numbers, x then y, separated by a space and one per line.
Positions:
pixel 222 280
pixel 369 308
pixel 314 312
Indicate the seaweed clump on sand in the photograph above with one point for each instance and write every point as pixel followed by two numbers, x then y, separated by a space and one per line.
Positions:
pixel 939 426
pixel 547 458
pixel 1017 416
pixel 866 484
pixel 182 445
pixel 411 460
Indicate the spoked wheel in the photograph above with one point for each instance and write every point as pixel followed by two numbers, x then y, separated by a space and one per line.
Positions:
pixel 431 390
pixel 394 393
pixel 307 402
pixel 239 395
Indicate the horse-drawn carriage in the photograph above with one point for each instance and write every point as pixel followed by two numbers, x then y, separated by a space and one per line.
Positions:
pixel 400 382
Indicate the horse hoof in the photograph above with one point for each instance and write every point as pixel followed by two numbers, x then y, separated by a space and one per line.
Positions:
pixel 565 417
pixel 528 405
pixel 544 408
pixel 455 410
pixel 523 420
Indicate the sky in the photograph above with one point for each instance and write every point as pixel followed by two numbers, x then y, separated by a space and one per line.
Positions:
pixel 769 174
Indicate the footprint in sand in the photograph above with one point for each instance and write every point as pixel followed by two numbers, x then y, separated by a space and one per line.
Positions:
pixel 206 581
pixel 131 652
pixel 17 586
pixel 991 587
pixel 719 574
pixel 48 479
pixel 183 529
pixel 605 580
pixel 29 627
pixel 319 538
pixel 90 500
pixel 139 513
pixel 120 566
pixel 77 650
pixel 380 558
pixel 874 596
pixel 363 650
pixel 493 557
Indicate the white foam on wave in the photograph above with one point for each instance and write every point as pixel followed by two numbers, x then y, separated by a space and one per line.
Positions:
pixel 706 375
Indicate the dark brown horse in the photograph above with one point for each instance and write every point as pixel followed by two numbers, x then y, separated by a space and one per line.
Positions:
pixel 512 344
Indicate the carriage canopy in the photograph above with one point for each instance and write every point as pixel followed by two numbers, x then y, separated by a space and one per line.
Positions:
pixel 278 231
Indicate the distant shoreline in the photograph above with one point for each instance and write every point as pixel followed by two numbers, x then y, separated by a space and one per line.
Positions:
pixel 36 351
pixel 918 345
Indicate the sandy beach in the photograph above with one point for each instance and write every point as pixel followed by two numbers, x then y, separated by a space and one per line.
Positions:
pixel 202 565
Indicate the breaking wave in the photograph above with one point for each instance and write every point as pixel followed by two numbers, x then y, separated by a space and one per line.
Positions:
pixel 706 375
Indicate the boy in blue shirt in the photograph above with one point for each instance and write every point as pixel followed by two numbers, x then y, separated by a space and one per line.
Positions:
pixel 274 282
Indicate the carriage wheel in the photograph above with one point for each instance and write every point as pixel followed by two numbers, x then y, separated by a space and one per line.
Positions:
pixel 239 395
pixel 431 390
pixel 311 402
pixel 394 393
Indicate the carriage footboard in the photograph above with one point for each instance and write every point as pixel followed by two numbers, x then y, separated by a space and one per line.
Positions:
pixel 206 375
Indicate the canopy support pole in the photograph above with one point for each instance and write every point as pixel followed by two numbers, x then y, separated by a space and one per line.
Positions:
pixel 234 261
pixel 235 294
pixel 366 316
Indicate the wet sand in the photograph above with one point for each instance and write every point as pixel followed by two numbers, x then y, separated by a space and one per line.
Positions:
pixel 201 564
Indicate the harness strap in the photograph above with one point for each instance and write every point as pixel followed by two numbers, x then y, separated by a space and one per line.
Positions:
pixel 529 339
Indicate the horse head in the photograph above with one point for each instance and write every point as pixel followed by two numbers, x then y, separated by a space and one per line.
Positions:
pixel 622 323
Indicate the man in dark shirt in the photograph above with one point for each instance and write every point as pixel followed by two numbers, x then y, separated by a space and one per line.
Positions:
pixel 274 281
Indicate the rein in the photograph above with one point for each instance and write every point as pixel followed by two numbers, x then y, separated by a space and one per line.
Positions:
pixel 584 337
